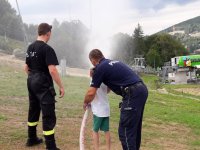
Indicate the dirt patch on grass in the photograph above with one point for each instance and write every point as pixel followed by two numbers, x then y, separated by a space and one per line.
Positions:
pixel 192 91
pixel 68 130
pixel 156 135
pixel 171 136
pixel 12 61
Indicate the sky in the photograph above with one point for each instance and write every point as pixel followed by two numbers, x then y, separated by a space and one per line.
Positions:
pixel 107 17
pixel 111 16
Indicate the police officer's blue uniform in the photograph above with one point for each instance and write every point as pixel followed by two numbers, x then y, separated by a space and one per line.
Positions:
pixel 123 81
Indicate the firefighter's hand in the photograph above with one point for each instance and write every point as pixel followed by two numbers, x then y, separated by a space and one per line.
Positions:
pixel 62 92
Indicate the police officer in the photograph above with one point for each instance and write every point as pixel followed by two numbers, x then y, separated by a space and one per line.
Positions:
pixel 40 66
pixel 123 81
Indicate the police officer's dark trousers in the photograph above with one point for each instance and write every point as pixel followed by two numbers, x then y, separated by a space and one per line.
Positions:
pixel 132 107
pixel 41 98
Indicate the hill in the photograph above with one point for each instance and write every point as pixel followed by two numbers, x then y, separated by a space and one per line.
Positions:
pixel 189 26
pixel 188 32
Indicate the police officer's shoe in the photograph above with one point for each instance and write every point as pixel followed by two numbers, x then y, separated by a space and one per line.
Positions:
pixel 34 141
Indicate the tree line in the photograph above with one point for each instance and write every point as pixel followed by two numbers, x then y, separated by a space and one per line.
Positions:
pixel 156 49
pixel 71 38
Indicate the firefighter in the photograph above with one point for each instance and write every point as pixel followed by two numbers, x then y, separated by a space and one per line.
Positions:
pixel 41 61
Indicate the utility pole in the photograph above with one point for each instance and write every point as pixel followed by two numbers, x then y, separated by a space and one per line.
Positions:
pixel 23 28
pixel 90 3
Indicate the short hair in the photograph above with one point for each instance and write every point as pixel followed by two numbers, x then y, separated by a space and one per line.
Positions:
pixel 96 54
pixel 44 28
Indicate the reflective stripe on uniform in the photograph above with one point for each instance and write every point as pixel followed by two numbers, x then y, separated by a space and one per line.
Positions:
pixel 31 124
pixel 50 132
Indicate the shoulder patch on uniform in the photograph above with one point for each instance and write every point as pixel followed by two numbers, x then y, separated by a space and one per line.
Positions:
pixel 113 62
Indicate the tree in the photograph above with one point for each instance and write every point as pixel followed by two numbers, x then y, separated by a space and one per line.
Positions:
pixel 10 23
pixel 69 40
pixel 31 31
pixel 165 46
pixel 126 48
pixel 121 47
pixel 138 42
pixel 153 58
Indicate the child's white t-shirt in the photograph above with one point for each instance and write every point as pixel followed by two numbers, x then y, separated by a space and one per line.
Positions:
pixel 100 105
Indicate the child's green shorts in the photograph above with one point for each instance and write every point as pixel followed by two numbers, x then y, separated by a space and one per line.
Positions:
pixel 101 123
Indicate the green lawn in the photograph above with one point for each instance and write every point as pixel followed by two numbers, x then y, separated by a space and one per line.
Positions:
pixel 171 121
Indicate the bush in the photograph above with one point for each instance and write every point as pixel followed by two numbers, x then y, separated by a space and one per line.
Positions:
pixel 158 84
pixel 5 47
pixel 19 53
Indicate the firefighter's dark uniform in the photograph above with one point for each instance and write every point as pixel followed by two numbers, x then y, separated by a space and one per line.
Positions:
pixel 41 91
pixel 123 81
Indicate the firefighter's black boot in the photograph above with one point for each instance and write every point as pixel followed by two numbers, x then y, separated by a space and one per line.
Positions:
pixel 32 137
pixel 50 142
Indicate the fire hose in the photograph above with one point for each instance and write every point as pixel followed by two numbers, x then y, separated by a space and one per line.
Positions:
pixel 83 129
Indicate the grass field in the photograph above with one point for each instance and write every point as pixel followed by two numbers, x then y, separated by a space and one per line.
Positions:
pixel 171 119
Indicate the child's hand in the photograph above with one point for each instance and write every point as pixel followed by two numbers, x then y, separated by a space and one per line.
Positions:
pixel 88 105
pixel 85 106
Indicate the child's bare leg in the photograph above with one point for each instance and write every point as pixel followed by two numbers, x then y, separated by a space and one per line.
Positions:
pixel 108 140
pixel 96 140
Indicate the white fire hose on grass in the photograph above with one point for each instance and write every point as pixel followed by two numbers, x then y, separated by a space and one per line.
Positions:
pixel 82 130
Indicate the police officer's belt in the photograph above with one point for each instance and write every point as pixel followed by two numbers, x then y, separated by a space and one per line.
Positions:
pixel 127 89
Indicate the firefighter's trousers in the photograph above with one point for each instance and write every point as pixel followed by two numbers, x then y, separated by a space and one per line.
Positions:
pixel 41 98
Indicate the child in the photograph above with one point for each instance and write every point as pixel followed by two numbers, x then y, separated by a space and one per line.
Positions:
pixel 101 112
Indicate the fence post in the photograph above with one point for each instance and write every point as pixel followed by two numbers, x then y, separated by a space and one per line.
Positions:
pixel 63 67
